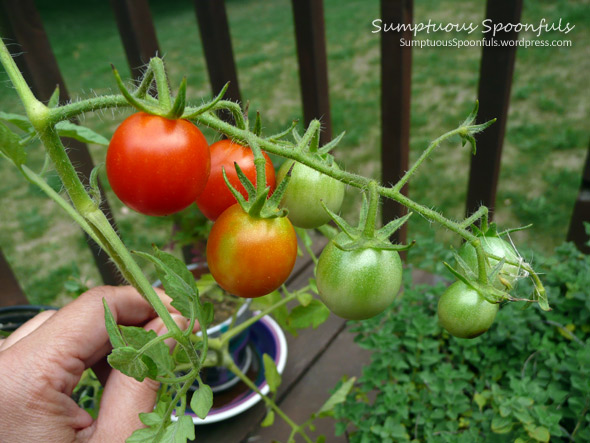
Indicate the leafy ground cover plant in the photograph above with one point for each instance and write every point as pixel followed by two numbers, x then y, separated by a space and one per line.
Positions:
pixel 141 354
pixel 526 380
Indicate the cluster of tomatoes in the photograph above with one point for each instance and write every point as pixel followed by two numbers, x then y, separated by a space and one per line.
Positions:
pixel 158 166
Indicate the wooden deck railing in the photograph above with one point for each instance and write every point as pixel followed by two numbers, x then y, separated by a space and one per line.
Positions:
pixel 21 24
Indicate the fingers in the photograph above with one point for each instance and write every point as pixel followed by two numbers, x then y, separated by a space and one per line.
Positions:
pixel 122 401
pixel 25 329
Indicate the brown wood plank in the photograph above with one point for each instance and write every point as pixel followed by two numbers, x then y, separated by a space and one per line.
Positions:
pixel 137 31
pixel 495 81
pixel 11 293
pixel 396 81
pixel 217 46
pixel 581 213
pixel 24 30
pixel 343 357
pixel 310 36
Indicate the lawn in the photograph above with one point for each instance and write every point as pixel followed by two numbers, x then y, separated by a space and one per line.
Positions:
pixel 546 139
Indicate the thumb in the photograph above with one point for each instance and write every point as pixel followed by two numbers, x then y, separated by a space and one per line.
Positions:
pixel 124 398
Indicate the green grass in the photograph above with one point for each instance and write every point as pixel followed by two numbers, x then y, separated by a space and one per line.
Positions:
pixel 545 145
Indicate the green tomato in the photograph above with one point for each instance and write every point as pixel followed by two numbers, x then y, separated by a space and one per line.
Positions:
pixel 464 313
pixel 498 247
pixel 358 284
pixel 304 192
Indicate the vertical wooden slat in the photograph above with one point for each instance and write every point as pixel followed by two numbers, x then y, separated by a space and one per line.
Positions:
pixel 137 31
pixel 396 73
pixel 495 81
pixel 217 46
pixel 11 293
pixel 24 30
pixel 581 213
pixel 310 36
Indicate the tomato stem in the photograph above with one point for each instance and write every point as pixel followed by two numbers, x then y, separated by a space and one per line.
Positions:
pixel 369 228
pixel 271 404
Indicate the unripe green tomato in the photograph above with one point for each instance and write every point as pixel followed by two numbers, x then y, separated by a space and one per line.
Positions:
pixel 304 192
pixel 464 313
pixel 358 284
pixel 498 247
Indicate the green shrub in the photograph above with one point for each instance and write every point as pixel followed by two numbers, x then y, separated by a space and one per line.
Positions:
pixel 527 379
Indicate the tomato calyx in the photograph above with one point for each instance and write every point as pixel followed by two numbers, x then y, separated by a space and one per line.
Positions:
pixel 258 204
pixel 365 235
pixel 165 105
pixel 492 266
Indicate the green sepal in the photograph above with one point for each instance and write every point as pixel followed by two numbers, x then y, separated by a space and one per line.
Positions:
pixel 237 195
pixel 207 106
pixel 296 135
pixel 386 231
pixel 487 291
pixel 132 99
pixel 331 144
pixel 277 196
pixel 256 207
pixel 179 102
pixel 146 83
pixel 280 135
pixel 245 181
pixel 257 125
pixel 340 222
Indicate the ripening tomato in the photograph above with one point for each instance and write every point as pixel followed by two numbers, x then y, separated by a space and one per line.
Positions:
pixel 217 197
pixel 464 313
pixel 358 284
pixel 304 193
pixel 157 166
pixel 249 256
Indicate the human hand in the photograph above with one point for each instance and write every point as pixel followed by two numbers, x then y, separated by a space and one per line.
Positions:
pixel 43 360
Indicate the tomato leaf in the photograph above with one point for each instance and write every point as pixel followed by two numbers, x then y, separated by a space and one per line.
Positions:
pixel 81 133
pixel 336 398
pixel 539 433
pixel 131 363
pixel 10 146
pixel 314 314
pixel 268 420
pixel 159 352
pixel 113 331
pixel 20 121
pixel 271 373
pixel 202 400
pixel 177 280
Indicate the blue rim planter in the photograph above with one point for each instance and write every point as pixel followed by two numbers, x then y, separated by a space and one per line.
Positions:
pixel 219 378
pixel 12 317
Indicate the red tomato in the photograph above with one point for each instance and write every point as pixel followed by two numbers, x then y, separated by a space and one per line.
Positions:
pixel 248 256
pixel 217 197
pixel 157 166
